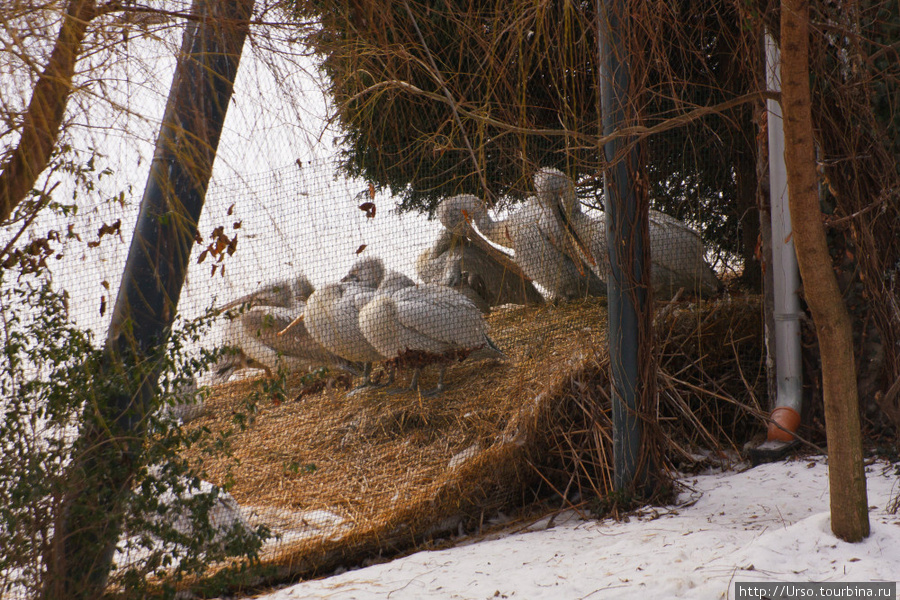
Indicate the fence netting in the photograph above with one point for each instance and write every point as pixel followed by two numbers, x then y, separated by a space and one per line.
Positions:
pixel 359 380
pixel 408 341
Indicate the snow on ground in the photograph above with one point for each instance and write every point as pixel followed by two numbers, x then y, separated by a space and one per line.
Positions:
pixel 769 523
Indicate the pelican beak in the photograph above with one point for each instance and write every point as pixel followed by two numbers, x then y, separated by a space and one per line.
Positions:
pixel 290 326
pixel 248 303
pixel 465 227
pixel 575 243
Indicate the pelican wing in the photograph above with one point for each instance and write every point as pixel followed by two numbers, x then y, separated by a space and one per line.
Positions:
pixel 242 334
pixel 437 319
pixel 264 324
pixel 678 259
pixel 332 318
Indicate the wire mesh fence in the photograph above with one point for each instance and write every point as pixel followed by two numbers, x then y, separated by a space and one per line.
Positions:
pixel 362 379
pixel 410 340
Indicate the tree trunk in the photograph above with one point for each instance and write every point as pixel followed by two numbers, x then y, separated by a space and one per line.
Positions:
pixel 847 478
pixel 113 434
pixel 45 113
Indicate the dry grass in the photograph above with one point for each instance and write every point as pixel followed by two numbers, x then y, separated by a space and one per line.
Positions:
pixel 395 469
pixel 712 378
pixel 341 477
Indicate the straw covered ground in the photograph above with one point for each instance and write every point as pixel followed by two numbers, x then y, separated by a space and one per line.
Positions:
pixel 342 477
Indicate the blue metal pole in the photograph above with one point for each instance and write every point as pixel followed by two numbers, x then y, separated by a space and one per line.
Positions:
pixel 627 294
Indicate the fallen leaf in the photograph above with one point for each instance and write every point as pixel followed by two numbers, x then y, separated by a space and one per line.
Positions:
pixel 368 208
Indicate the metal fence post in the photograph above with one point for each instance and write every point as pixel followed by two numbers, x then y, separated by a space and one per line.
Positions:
pixel 627 296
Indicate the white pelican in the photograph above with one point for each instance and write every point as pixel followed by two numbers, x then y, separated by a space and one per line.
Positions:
pixel 676 250
pixel 332 312
pixel 252 334
pixel 545 247
pixel 455 261
pixel 425 324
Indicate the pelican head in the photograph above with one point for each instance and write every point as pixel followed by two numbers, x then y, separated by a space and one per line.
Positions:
pixel 553 186
pixel 556 193
pixel 302 288
pixel 393 281
pixel 456 213
pixel 274 294
pixel 367 272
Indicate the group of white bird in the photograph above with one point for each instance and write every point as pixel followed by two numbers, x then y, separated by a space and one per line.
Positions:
pixel 376 315
pixel 565 251
pixel 372 315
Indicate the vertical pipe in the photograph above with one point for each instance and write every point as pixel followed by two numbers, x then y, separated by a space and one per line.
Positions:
pixel 785 273
pixel 625 244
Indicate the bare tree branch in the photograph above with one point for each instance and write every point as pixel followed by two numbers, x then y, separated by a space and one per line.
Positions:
pixel 45 113
pixel 636 131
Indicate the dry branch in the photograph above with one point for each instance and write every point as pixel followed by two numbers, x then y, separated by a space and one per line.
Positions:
pixel 46 110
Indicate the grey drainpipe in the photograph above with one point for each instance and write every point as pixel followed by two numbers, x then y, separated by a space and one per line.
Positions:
pixel 786 276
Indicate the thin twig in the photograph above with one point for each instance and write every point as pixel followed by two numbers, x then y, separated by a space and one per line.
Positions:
pixel 29 220
pixel 638 132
